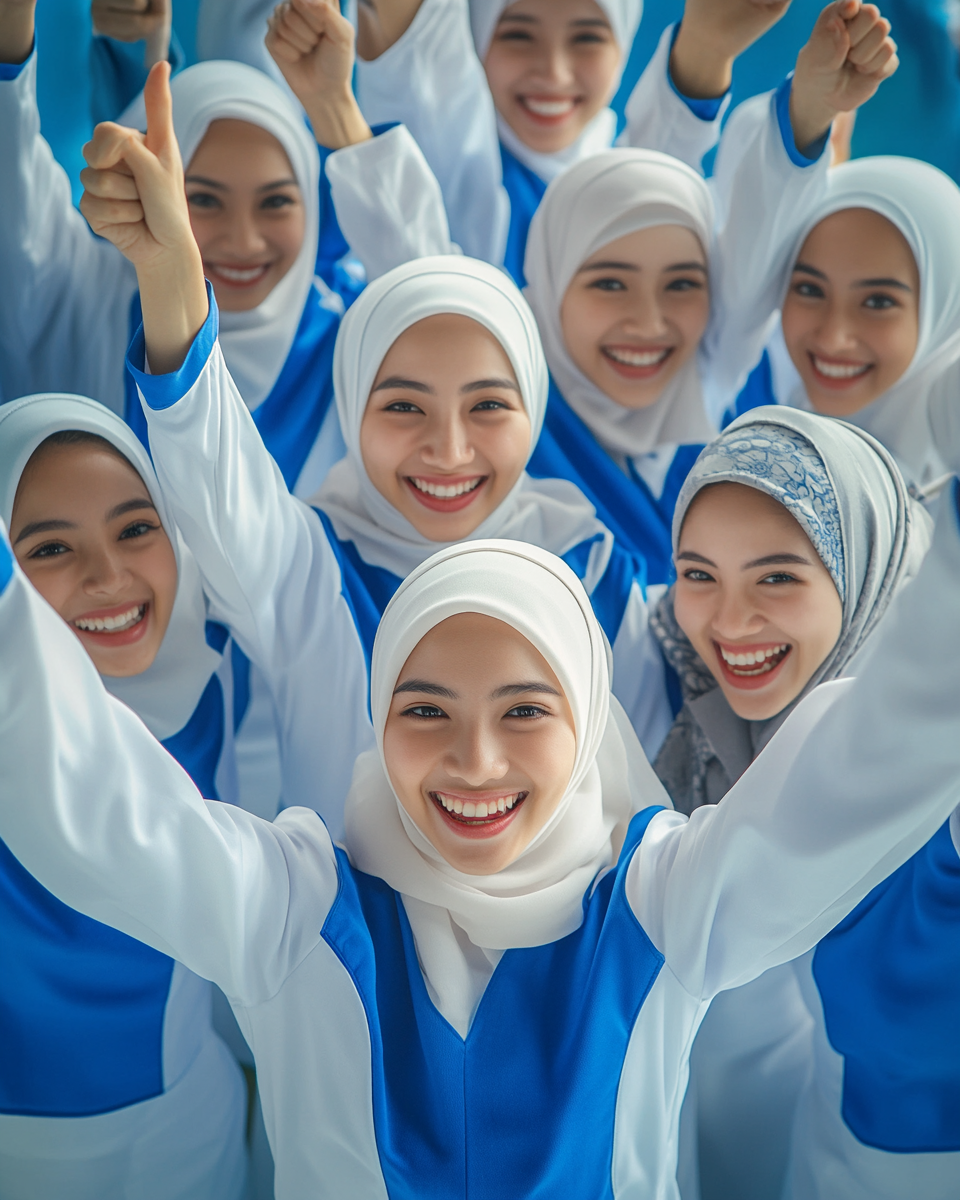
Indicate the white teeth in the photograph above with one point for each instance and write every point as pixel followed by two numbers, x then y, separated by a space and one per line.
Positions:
pixel 501 805
pixel 445 491
pixel 458 806
pixel 839 370
pixel 480 809
pixel 637 358
pixel 110 624
pixel 548 108
pixel 511 801
pixel 754 658
pixel 240 274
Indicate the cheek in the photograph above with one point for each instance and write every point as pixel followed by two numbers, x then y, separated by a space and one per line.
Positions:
pixel 286 234
pixel 690 315
pixel 409 760
pixel 383 447
pixel 896 344
pixel 55 584
pixel 585 317
pixel 506 448
pixel 796 321
pixel 597 75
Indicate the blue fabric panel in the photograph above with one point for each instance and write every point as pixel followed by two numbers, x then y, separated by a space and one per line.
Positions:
pixel 680 468
pixel 11 71
pixel 568 450
pixel 81 1007
pixel 367 590
pixel 163 391
pixel 525 189
pixel 240 667
pixel 889 980
pixel 197 746
pixel 757 391
pixel 6 562
pixel 610 596
pixel 216 636
pixel 541 1062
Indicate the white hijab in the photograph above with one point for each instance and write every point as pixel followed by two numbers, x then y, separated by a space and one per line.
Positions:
pixel 255 344
pixel 924 204
pixel 166 694
pixel 624 17
pixel 551 513
pixel 462 923
pixel 604 198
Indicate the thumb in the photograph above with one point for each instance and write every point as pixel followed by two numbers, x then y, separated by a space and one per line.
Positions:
pixel 158 102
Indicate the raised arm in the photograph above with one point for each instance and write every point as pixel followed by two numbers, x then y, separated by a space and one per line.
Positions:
pixel 104 818
pixel 859 777
pixel 771 165
pixel 65 296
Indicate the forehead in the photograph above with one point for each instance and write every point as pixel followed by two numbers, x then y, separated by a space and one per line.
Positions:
pixel 472 649
pixel 556 12
pixel 80 479
pixel 859 242
pixel 736 518
pixel 236 151
pixel 446 342
pixel 656 246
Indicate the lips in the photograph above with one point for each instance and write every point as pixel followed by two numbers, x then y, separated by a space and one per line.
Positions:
pixel 836 373
pixel 445 494
pixel 236 276
pixel 633 363
pixel 750 667
pixel 478 814
pixel 119 626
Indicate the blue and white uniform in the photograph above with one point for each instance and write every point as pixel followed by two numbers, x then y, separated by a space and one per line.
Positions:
pixel 491 181
pixel 752 1056
pixel 112 1080
pixel 924 205
pixel 631 462
pixel 356 534
pixel 881 1109
pixel 353 989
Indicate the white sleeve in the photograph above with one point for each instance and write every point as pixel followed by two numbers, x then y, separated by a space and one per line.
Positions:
pixel 762 186
pixel 389 204
pixel 859 777
pixel 432 81
pixel 65 295
pixel 639 681
pixel 268 569
pixel 658 117
pixel 104 818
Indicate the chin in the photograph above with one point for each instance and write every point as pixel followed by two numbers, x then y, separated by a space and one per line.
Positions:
pixel 756 707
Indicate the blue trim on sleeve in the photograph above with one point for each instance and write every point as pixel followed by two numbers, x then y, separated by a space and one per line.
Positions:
pixel 956 498
pixel 706 110
pixel 6 562
pixel 163 391
pixel 11 71
pixel 799 158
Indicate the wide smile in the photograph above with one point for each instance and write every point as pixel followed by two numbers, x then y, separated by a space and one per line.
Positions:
pixel 549 110
pixel 236 276
pixel 119 626
pixel 633 363
pixel 445 495
pixel 478 814
pixel 750 667
pixel 835 373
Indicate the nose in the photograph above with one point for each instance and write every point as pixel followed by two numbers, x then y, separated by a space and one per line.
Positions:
pixel 735 617
pixel 646 317
pixel 447 444
pixel 835 333
pixel 476 756
pixel 240 236
pixel 105 576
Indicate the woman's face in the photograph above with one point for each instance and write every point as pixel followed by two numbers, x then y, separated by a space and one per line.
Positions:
pixel 246 211
pixel 88 538
pixel 754 598
pixel 851 316
pixel 479 742
pixel 552 66
pixel 445 435
pixel 635 312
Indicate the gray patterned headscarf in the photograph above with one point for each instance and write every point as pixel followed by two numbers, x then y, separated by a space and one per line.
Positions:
pixel 848 496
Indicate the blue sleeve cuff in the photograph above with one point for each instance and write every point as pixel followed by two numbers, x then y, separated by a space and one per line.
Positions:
pixel 810 154
pixel 706 110
pixel 11 71
pixel 956 498
pixel 163 391
pixel 6 561
pixel 376 130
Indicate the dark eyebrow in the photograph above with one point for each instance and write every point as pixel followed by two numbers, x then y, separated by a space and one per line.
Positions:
pixel 422 685
pixel 130 506
pixel 608 266
pixel 518 689
pixel 808 270
pixel 42 527
pixel 891 283
pixel 481 385
pixel 410 385
pixel 693 556
pixel 524 17
pixel 594 22
pixel 210 183
pixel 687 266
pixel 266 187
pixel 773 560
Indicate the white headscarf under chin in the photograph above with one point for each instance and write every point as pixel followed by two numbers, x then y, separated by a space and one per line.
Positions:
pixel 624 17
pixel 166 694
pixel 458 919
pixel 924 204
pixel 593 204
pixel 255 344
pixel 550 513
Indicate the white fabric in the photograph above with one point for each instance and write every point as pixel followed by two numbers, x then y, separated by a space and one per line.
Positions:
pixel 255 343
pixel 550 513
pixel 924 204
pixel 166 694
pixel 593 204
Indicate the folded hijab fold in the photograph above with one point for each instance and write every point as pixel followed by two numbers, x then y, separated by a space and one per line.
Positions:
pixel 606 197
pixel 846 492
pixel 166 694
pixel 255 344
pixel 550 513
pixel 538 898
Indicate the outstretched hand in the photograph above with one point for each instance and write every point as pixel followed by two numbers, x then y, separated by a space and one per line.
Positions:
pixel 313 45
pixel 712 35
pixel 134 197
pixel 848 56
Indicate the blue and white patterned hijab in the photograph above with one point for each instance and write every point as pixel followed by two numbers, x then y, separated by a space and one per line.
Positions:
pixel 848 496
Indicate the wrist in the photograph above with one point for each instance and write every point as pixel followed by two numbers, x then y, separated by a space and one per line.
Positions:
pixel 173 299
pixel 810 120
pixel 17 26
pixel 697 69
pixel 338 122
